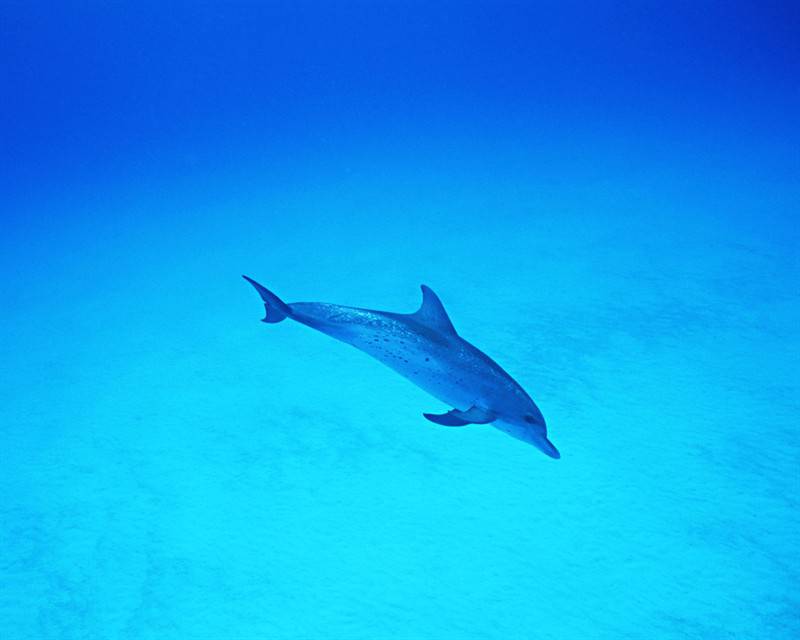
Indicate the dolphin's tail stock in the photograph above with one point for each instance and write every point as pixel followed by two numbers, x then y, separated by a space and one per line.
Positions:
pixel 276 308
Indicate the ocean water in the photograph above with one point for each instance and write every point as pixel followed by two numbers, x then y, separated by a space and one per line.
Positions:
pixel 604 197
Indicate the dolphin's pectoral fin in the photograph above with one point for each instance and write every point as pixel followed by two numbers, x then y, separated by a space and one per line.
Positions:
pixel 476 415
pixel 448 419
pixel 456 418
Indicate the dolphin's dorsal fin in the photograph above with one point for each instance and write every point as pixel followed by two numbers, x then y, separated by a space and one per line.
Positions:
pixel 432 314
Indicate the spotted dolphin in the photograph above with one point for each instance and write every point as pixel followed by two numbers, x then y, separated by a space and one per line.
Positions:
pixel 424 347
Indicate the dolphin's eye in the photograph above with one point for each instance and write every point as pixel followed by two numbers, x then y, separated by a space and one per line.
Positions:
pixel 530 419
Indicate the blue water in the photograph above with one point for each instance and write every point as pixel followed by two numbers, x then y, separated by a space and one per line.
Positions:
pixel 606 200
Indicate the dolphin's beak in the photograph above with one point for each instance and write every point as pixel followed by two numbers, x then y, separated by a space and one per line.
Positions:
pixel 548 448
pixel 535 436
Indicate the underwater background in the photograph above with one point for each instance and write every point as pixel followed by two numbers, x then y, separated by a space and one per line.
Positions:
pixel 605 197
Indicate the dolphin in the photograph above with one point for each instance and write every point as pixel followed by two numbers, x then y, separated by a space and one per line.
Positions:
pixel 424 347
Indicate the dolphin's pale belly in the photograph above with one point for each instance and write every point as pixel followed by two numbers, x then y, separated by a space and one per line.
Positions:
pixel 446 367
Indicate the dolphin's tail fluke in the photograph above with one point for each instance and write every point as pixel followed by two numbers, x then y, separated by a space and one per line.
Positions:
pixel 276 308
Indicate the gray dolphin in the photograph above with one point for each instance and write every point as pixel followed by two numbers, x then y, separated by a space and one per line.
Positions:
pixel 424 347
